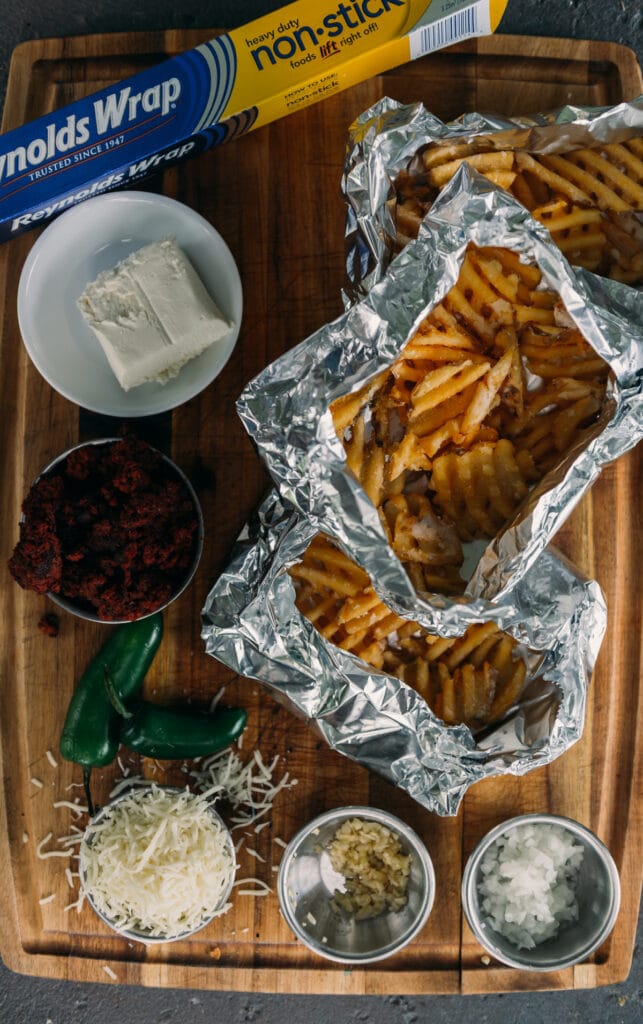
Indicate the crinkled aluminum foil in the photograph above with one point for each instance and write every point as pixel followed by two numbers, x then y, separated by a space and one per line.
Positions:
pixel 250 621
pixel 285 408
pixel 385 139
pixel 251 624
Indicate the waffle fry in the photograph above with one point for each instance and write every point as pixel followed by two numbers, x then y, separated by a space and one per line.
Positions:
pixel 480 490
pixel 448 441
pixel 418 534
pixel 565 354
pixel 586 198
pixel 473 679
pixel 486 163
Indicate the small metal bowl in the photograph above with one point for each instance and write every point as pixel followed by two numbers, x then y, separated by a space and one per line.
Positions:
pixel 83 611
pixel 598 894
pixel 307 882
pixel 140 936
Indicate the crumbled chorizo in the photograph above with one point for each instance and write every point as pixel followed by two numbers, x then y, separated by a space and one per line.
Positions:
pixel 111 528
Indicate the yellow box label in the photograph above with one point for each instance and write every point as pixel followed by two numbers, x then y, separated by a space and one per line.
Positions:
pixel 307 50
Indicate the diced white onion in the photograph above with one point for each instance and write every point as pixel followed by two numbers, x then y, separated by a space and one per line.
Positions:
pixel 528 888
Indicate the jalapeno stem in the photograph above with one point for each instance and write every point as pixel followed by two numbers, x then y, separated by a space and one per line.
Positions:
pixel 87 772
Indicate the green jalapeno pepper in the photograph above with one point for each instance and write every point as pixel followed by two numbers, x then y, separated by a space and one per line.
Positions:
pixel 90 735
pixel 166 733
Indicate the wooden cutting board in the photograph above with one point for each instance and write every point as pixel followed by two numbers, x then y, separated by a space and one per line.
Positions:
pixel 274 196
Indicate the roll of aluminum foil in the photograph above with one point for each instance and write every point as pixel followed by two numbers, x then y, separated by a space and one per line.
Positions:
pixel 286 408
pixel 250 623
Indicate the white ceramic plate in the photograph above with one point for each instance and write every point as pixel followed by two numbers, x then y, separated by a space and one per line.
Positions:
pixel 72 251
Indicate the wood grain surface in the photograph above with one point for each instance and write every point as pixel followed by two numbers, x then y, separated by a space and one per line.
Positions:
pixel 274 196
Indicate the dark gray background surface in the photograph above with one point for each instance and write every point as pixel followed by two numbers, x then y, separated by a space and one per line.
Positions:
pixel 26 1000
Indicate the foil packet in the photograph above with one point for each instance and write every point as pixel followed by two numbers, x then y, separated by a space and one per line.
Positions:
pixel 286 408
pixel 251 623
pixel 387 138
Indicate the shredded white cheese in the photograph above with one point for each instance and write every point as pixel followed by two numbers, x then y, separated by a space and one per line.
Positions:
pixel 255 854
pixel 264 889
pixel 42 854
pixel 127 783
pixel 52 760
pixel 157 862
pixel 217 697
pixel 47 899
pixel 36 782
pixel 247 787
pixel 76 808
pixel 110 973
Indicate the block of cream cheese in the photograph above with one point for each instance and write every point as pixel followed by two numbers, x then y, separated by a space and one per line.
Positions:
pixel 151 314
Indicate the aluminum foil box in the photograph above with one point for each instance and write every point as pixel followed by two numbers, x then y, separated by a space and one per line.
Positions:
pixel 239 80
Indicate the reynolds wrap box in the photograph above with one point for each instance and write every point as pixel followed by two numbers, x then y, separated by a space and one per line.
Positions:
pixel 237 81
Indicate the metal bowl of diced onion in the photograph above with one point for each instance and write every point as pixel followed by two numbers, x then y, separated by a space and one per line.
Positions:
pixel 134 877
pixel 540 892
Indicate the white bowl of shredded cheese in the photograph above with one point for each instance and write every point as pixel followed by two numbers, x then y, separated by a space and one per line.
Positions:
pixel 157 863
pixel 540 892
